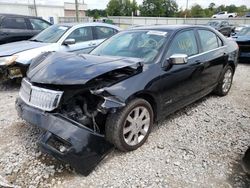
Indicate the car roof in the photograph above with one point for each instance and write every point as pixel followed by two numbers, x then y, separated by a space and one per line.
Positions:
pixel 167 27
pixel 89 24
pixel 18 15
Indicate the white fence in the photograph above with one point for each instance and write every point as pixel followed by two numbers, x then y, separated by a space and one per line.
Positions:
pixel 73 19
pixel 124 21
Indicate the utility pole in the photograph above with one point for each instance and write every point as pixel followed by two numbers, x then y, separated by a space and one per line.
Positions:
pixel 77 11
pixel 35 8
pixel 186 9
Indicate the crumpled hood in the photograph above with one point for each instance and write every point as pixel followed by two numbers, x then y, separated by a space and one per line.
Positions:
pixel 16 47
pixel 70 69
pixel 243 39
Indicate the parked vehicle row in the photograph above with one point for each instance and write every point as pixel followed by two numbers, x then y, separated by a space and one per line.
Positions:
pixel 15 57
pixel 109 93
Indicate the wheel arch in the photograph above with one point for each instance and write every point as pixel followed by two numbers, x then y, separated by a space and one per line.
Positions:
pixel 231 64
pixel 149 98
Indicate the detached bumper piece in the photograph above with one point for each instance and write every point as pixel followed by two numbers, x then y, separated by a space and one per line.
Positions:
pixel 66 140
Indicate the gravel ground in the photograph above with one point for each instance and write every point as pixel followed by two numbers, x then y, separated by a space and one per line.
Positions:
pixel 198 146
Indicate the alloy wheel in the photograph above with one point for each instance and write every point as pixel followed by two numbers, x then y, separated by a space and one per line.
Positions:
pixel 227 80
pixel 136 126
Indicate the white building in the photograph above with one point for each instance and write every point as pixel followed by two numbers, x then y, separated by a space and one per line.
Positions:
pixel 48 10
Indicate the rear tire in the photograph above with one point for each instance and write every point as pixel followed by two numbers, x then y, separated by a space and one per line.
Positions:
pixel 225 82
pixel 129 127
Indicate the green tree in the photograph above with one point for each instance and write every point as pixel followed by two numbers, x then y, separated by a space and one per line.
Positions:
pixel 197 11
pixel 211 6
pixel 96 13
pixel 158 8
pixel 231 8
pixel 171 8
pixel 152 8
pixel 134 7
pixel 114 8
pixel 126 8
pixel 242 10
pixel 221 8
pixel 121 7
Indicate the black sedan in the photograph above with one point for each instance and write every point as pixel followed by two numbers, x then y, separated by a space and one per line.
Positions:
pixel 243 40
pixel 18 27
pixel 222 26
pixel 111 97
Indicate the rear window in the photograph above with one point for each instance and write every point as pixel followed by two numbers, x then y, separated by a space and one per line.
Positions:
pixel 209 40
pixel 104 32
pixel 14 23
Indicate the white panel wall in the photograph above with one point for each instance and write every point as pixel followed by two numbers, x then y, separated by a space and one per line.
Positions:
pixel 46 12
pixel 14 9
pixel 43 11
pixel 124 22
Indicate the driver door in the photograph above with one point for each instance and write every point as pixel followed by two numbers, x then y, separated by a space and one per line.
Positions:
pixel 181 84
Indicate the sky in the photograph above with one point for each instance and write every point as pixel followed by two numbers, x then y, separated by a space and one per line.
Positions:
pixel 101 4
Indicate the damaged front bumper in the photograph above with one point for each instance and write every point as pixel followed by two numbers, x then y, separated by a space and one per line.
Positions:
pixel 66 139
pixel 11 72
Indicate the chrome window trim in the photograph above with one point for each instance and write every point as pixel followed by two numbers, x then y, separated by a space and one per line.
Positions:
pixel 196 55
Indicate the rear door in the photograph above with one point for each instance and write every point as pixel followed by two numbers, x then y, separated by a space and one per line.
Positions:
pixel 213 57
pixel 84 40
pixel 15 29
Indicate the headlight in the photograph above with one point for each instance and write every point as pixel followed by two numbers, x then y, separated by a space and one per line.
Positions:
pixel 8 60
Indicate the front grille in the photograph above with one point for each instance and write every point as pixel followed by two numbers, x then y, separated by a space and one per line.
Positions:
pixel 44 99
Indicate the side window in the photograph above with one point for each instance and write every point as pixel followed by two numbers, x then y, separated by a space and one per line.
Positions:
pixel 14 23
pixel 104 32
pixel 226 24
pixel 81 34
pixel 183 43
pixel 209 40
pixel 38 24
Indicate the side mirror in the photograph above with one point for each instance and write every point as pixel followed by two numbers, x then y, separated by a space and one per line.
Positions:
pixel 69 41
pixel 178 59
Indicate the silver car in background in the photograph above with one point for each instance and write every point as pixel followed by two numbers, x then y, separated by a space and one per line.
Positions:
pixel 71 37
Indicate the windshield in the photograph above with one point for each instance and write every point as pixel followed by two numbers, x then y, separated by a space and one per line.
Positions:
pixel 137 44
pixel 244 31
pixel 50 35
pixel 213 24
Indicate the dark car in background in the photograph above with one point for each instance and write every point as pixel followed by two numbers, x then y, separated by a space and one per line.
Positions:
pixel 222 26
pixel 247 15
pixel 88 103
pixel 18 27
pixel 243 40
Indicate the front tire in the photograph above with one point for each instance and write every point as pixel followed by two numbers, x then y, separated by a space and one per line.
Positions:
pixel 225 82
pixel 129 127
